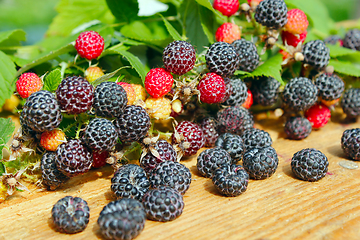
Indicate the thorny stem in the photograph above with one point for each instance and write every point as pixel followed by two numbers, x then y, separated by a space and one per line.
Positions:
pixel 132 148
pixel 199 64
pixel 69 127
pixel 167 135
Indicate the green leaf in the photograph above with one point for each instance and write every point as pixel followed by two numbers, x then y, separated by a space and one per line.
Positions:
pixel 174 34
pixel 124 11
pixel 73 13
pixel 52 80
pixel 270 68
pixel 337 51
pixel 316 12
pixel 12 37
pixel 49 56
pixel 207 4
pixel 7 77
pixel 107 76
pixel 242 73
pixel 208 23
pixel 7 127
pixel 152 33
pixel 134 60
pixel 347 68
pixel 190 16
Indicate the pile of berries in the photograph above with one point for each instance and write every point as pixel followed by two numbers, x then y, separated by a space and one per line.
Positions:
pixel 212 108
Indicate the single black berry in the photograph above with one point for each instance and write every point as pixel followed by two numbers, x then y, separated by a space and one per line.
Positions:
pixel 222 59
pixel 316 54
pixel 75 95
pixel 350 102
pixel 163 204
pixel 230 180
pixel 271 13
pixel 350 143
pixel 299 94
pixel 297 128
pixel 70 214
pixel 179 57
pixel 133 124
pixel 260 163
pixel 110 99
pixel 352 39
pixel 130 181
pixel 123 219
pixel 309 164
pixel 248 55
pixel 100 134
pixel 330 86
pixel 73 158
pixel 41 112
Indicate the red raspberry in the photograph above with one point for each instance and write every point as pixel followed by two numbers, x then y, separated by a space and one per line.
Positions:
pixel 212 88
pixel 318 115
pixel 189 136
pixel 27 84
pixel 297 22
pixel 228 32
pixel 226 7
pixel 158 82
pixel 52 139
pixel 249 100
pixel 99 158
pixel 89 45
pixel 291 39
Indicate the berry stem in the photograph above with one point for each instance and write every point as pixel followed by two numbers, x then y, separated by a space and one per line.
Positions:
pixel 134 146
pixel 29 176
pixel 64 66
pixel 78 130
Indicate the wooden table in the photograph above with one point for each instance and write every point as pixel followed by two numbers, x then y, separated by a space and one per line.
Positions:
pixel 281 207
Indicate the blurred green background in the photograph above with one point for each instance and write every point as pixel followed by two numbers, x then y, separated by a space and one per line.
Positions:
pixel 35 16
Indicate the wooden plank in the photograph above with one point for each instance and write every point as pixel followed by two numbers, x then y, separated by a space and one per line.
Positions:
pixel 281 207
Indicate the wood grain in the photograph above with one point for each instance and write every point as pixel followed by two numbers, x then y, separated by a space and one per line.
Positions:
pixel 281 207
